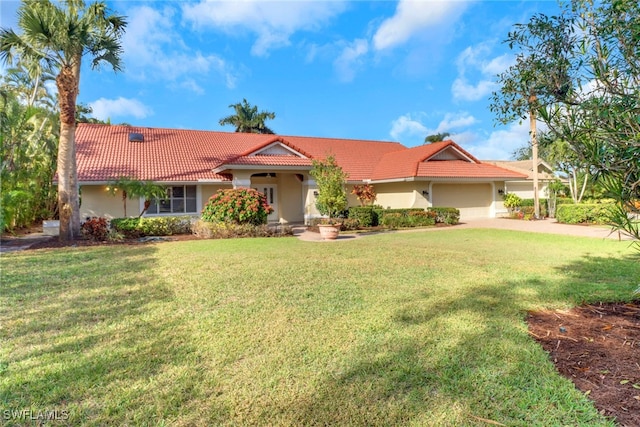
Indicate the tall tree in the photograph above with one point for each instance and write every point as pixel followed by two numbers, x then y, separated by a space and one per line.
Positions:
pixel 593 93
pixel 437 137
pixel 58 36
pixel 539 76
pixel 28 147
pixel 247 119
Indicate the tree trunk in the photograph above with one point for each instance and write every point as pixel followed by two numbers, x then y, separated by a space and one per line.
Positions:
pixel 534 154
pixel 68 190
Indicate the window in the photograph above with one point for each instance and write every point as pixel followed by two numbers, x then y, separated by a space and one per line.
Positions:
pixel 180 199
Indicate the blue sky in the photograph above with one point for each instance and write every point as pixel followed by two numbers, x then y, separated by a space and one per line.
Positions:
pixel 379 70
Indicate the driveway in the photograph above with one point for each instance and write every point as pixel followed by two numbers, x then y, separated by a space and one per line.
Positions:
pixel 550 226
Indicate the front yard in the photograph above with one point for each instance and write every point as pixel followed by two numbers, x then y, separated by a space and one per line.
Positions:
pixel 392 329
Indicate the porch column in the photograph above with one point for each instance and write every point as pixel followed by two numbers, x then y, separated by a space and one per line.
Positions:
pixel 309 186
pixel 241 179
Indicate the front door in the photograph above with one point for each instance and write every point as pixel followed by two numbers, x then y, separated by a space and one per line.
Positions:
pixel 271 191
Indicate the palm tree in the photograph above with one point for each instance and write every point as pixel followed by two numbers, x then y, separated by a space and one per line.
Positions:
pixel 436 137
pixel 247 119
pixel 57 36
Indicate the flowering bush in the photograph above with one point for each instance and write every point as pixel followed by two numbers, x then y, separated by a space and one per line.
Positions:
pixel 239 206
pixel 365 193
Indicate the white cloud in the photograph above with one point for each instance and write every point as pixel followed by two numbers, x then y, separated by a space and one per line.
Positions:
pixel 104 109
pixel 153 49
pixel 463 91
pixel 351 59
pixel 453 121
pixel 476 61
pixel 410 129
pixel 272 22
pixel 405 127
pixel 501 144
pixel 415 17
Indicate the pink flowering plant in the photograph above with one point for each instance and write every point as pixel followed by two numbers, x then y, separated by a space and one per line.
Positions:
pixel 238 205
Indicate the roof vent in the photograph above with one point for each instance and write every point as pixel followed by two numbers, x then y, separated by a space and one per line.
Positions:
pixel 136 137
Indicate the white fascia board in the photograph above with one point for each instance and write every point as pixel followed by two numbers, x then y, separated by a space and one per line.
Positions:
pixel 388 181
pixel 213 181
pixel 229 167
pixel 466 180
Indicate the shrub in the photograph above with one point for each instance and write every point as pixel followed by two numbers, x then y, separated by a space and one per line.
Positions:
pixel 512 201
pixel 585 213
pixel 165 225
pixel 133 228
pixel 564 201
pixel 228 230
pixel 399 218
pixel 366 215
pixel 450 216
pixel 95 229
pixel 544 206
pixel 238 206
pixel 128 227
pixel 350 224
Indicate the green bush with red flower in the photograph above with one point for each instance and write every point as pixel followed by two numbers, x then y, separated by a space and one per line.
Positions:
pixel 238 206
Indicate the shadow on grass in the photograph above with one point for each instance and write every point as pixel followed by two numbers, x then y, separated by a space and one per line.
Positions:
pixel 601 279
pixel 479 364
pixel 93 333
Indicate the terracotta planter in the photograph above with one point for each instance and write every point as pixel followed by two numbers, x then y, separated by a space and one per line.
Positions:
pixel 329 231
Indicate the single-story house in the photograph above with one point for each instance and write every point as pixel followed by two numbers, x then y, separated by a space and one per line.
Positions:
pixel 194 165
pixel 523 188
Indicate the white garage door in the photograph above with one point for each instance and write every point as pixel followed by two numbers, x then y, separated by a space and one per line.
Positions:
pixel 473 200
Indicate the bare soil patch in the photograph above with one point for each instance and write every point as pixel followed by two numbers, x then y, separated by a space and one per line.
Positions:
pixel 598 348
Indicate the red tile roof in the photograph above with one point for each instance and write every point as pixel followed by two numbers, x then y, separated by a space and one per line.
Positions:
pixel 105 153
pixel 463 169
pixel 424 162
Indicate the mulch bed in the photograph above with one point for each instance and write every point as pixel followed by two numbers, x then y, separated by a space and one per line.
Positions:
pixel 598 348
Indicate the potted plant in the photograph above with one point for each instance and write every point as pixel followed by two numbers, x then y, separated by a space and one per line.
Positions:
pixel 332 196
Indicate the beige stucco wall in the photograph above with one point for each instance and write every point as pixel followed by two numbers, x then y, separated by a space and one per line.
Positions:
pixel 473 200
pixel 524 190
pixel 402 194
pixel 290 198
pixel 97 201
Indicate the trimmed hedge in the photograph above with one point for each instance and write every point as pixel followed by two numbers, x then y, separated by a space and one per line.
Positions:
pixel 449 216
pixel 366 216
pixel 398 218
pixel 152 226
pixel 373 216
pixel 585 213
pixel 230 230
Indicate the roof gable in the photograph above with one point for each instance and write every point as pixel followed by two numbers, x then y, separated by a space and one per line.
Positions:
pixel 278 149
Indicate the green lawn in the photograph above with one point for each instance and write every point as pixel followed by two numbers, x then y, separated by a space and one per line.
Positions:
pixel 423 328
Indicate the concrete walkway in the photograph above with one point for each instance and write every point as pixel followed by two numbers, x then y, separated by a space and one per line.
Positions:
pixel 549 226
pixel 20 243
